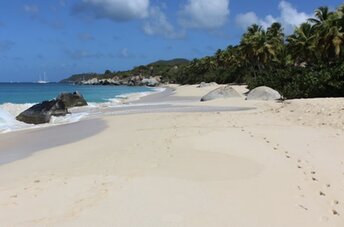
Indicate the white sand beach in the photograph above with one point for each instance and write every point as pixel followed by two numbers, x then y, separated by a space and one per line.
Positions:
pixel 268 164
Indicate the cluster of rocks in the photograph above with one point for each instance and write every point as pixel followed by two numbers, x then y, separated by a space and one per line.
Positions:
pixel 260 93
pixel 130 81
pixel 41 113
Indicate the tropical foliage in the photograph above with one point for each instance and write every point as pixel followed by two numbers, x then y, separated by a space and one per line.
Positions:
pixel 307 63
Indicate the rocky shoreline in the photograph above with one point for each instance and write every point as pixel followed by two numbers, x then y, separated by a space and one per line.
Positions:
pixel 41 113
pixel 130 81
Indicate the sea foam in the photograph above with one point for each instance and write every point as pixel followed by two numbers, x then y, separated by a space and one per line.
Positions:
pixel 9 111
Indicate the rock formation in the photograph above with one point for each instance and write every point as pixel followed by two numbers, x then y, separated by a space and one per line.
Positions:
pixel 222 92
pixel 263 93
pixel 72 99
pixel 41 113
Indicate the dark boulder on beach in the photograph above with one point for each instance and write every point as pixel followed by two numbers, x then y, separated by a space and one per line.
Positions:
pixel 221 92
pixel 72 99
pixel 41 113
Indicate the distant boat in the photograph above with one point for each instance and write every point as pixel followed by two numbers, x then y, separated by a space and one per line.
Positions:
pixel 44 81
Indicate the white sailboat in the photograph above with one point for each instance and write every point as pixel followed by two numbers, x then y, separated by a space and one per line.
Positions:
pixel 44 81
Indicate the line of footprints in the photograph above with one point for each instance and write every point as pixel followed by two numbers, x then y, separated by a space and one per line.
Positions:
pixel 300 164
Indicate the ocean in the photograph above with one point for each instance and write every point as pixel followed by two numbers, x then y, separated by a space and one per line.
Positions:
pixel 17 97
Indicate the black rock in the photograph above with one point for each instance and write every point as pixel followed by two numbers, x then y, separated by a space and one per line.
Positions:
pixel 41 113
pixel 72 99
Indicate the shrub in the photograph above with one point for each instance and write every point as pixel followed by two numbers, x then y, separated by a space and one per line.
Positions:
pixel 298 82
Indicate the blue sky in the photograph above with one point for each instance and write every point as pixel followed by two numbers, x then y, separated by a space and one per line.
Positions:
pixel 64 37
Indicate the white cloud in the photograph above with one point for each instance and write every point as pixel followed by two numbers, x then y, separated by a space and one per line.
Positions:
pixel 289 18
pixel 244 20
pixel 31 8
pixel 204 14
pixel 247 19
pixel 158 24
pixel 116 10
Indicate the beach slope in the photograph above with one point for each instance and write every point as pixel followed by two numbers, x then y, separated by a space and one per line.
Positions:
pixel 270 164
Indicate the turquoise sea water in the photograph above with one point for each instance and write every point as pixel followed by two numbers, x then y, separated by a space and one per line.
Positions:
pixel 17 97
pixel 21 93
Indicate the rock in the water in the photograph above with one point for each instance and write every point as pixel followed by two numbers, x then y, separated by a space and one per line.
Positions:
pixel 41 113
pixel 263 93
pixel 222 92
pixel 152 82
pixel 204 84
pixel 72 99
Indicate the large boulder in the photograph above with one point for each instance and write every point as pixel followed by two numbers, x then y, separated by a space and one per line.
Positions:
pixel 263 93
pixel 135 80
pixel 151 82
pixel 72 99
pixel 93 81
pixel 222 92
pixel 41 113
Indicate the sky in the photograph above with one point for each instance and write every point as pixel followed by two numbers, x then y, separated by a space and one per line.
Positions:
pixel 65 37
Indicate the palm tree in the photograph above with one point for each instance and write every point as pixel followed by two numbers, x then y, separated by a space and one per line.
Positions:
pixel 321 14
pixel 220 57
pixel 260 48
pixel 330 35
pixel 276 39
pixel 301 45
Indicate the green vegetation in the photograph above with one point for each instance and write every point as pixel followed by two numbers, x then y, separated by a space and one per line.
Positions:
pixel 307 63
pixel 165 69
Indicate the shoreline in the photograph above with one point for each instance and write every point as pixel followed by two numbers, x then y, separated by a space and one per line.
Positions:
pixel 157 102
pixel 77 113
pixel 259 167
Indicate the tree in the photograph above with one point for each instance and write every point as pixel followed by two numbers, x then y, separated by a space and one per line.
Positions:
pixel 260 48
pixel 107 72
pixel 329 32
pixel 301 44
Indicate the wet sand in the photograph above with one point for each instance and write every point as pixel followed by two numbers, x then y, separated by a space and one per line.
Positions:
pixel 21 144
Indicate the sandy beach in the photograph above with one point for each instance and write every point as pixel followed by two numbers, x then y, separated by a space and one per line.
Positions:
pixel 171 160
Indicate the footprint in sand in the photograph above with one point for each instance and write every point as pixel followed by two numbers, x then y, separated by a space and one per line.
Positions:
pixel 303 207
pixel 322 194
pixel 334 212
